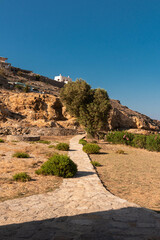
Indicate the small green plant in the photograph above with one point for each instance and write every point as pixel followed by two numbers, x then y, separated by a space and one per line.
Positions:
pixel 58 165
pixel 62 146
pixel 22 177
pixel 91 148
pixel 120 151
pixel 40 171
pixel 51 146
pixel 44 141
pixel 21 155
pixel 82 141
pixel 1 140
pixel 96 164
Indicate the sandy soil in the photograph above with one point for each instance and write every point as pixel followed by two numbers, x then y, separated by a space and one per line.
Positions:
pixel 9 166
pixel 134 176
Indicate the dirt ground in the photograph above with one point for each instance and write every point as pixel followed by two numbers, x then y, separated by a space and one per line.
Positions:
pixel 9 166
pixel 134 176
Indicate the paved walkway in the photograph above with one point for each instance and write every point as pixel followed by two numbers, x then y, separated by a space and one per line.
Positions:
pixel 80 209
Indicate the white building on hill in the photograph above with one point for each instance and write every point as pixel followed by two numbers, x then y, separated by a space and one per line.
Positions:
pixel 60 78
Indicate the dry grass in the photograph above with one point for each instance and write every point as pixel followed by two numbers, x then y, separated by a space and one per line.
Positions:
pixel 134 176
pixel 9 166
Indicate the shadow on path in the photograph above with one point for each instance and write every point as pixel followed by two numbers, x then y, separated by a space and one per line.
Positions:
pixel 83 174
pixel 122 224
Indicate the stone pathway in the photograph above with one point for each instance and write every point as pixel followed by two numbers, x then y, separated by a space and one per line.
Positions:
pixel 80 209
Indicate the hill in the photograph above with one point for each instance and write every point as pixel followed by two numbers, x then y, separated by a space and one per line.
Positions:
pixel 30 100
pixel 17 78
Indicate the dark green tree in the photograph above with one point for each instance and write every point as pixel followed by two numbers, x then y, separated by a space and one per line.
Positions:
pixel 93 116
pixel 74 95
pixel 90 106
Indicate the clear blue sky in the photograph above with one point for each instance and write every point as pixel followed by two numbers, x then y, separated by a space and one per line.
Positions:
pixel 112 44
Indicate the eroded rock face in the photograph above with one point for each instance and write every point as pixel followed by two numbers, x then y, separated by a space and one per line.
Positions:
pixel 122 117
pixel 31 107
pixel 27 113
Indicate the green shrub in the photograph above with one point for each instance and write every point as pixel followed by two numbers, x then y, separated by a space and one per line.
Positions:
pixel 82 141
pixel 44 141
pixel 139 141
pixel 38 77
pixel 153 143
pixel 96 164
pixel 120 151
pixel 22 177
pixel 1 140
pixel 121 137
pixel 51 146
pixel 91 148
pixel 39 171
pixel 21 155
pixel 58 165
pixel 62 146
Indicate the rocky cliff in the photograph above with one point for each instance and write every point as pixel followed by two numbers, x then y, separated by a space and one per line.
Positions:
pixel 121 117
pixel 30 109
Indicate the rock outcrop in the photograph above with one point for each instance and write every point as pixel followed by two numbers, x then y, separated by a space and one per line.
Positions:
pixel 30 107
pixel 31 113
pixel 121 117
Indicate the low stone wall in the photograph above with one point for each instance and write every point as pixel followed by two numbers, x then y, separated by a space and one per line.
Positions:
pixel 37 131
pixel 22 138
pixel 53 131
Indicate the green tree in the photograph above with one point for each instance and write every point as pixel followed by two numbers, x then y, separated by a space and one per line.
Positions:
pixel 74 95
pixel 90 106
pixel 93 116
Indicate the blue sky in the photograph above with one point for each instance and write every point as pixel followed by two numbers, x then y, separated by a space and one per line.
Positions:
pixel 112 44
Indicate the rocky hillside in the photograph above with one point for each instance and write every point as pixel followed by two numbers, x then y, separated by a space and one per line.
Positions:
pixel 121 117
pixel 39 105
pixel 16 79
